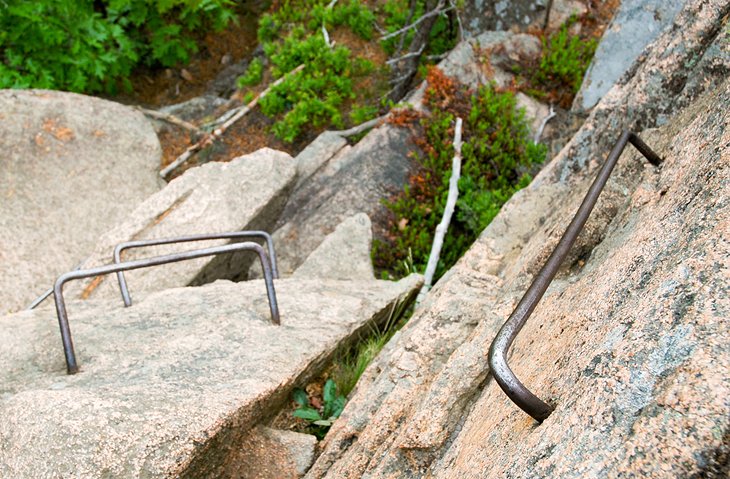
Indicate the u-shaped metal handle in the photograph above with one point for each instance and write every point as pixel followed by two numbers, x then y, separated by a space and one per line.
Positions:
pixel 68 348
pixel 186 239
pixel 510 384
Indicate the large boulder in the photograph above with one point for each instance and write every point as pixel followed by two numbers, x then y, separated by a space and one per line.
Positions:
pixel 171 386
pixel 344 253
pixel 72 167
pixel 630 341
pixel 247 193
pixel 353 181
pixel 634 26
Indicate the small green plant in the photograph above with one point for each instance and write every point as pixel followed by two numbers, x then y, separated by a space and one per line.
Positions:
pixel 363 113
pixel 564 61
pixel 320 95
pixel 90 46
pixel 497 159
pixel 321 419
pixel 254 74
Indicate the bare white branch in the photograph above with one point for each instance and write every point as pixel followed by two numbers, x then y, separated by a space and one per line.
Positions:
pixel 172 119
pixel 356 130
pixel 547 118
pixel 437 11
pixel 406 56
pixel 443 226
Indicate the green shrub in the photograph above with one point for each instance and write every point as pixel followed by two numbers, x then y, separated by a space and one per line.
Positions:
pixel 317 95
pixel 313 96
pixel 254 74
pixel 565 59
pixel 497 158
pixel 363 113
pixel 88 46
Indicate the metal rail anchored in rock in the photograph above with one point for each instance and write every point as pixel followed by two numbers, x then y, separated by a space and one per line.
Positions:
pixel 501 371
pixel 68 348
pixel 186 239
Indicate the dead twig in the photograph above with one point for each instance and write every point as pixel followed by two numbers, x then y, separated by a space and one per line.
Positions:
pixel 437 11
pixel 443 226
pixel 406 56
pixel 356 130
pixel 172 119
pixel 539 131
pixel 218 132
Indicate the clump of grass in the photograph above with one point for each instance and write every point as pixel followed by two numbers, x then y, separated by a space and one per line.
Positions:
pixel 351 365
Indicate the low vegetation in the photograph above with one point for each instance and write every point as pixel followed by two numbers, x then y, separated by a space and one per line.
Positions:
pixel 344 81
pixel 563 63
pixel 498 159
pixel 93 46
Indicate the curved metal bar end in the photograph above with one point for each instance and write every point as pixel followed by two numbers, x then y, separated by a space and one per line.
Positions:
pixel 645 150
pixel 513 388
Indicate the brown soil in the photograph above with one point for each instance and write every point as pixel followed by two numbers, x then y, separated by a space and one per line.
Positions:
pixel 154 88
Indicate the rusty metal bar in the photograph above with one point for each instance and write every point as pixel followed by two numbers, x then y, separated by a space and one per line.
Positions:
pixel 48 292
pixel 501 371
pixel 68 348
pixel 185 239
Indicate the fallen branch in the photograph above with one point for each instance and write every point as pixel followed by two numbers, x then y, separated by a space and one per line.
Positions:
pixel 539 131
pixel 437 11
pixel 172 119
pixel 549 7
pixel 356 130
pixel 438 239
pixel 218 132
pixel 326 36
pixel 406 56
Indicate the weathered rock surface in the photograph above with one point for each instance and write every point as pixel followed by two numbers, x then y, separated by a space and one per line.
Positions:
pixel 630 342
pixel 272 453
pixel 482 15
pixel 635 25
pixel 72 167
pixel 247 193
pixel 562 10
pixel 353 181
pixel 344 253
pixel 317 153
pixel 171 386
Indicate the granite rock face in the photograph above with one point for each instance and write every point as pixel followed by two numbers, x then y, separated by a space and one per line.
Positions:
pixel 171 386
pixel 318 153
pixel 353 181
pixel 247 193
pixel 72 167
pixel 344 253
pixel 630 342
pixel 483 15
pixel 272 453
pixel 634 26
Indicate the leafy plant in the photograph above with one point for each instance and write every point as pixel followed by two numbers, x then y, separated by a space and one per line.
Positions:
pixel 363 113
pixel 497 158
pixel 322 418
pixel 564 61
pixel 254 74
pixel 88 46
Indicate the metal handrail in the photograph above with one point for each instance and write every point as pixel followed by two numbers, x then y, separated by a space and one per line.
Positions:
pixel 501 371
pixel 68 348
pixel 117 256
